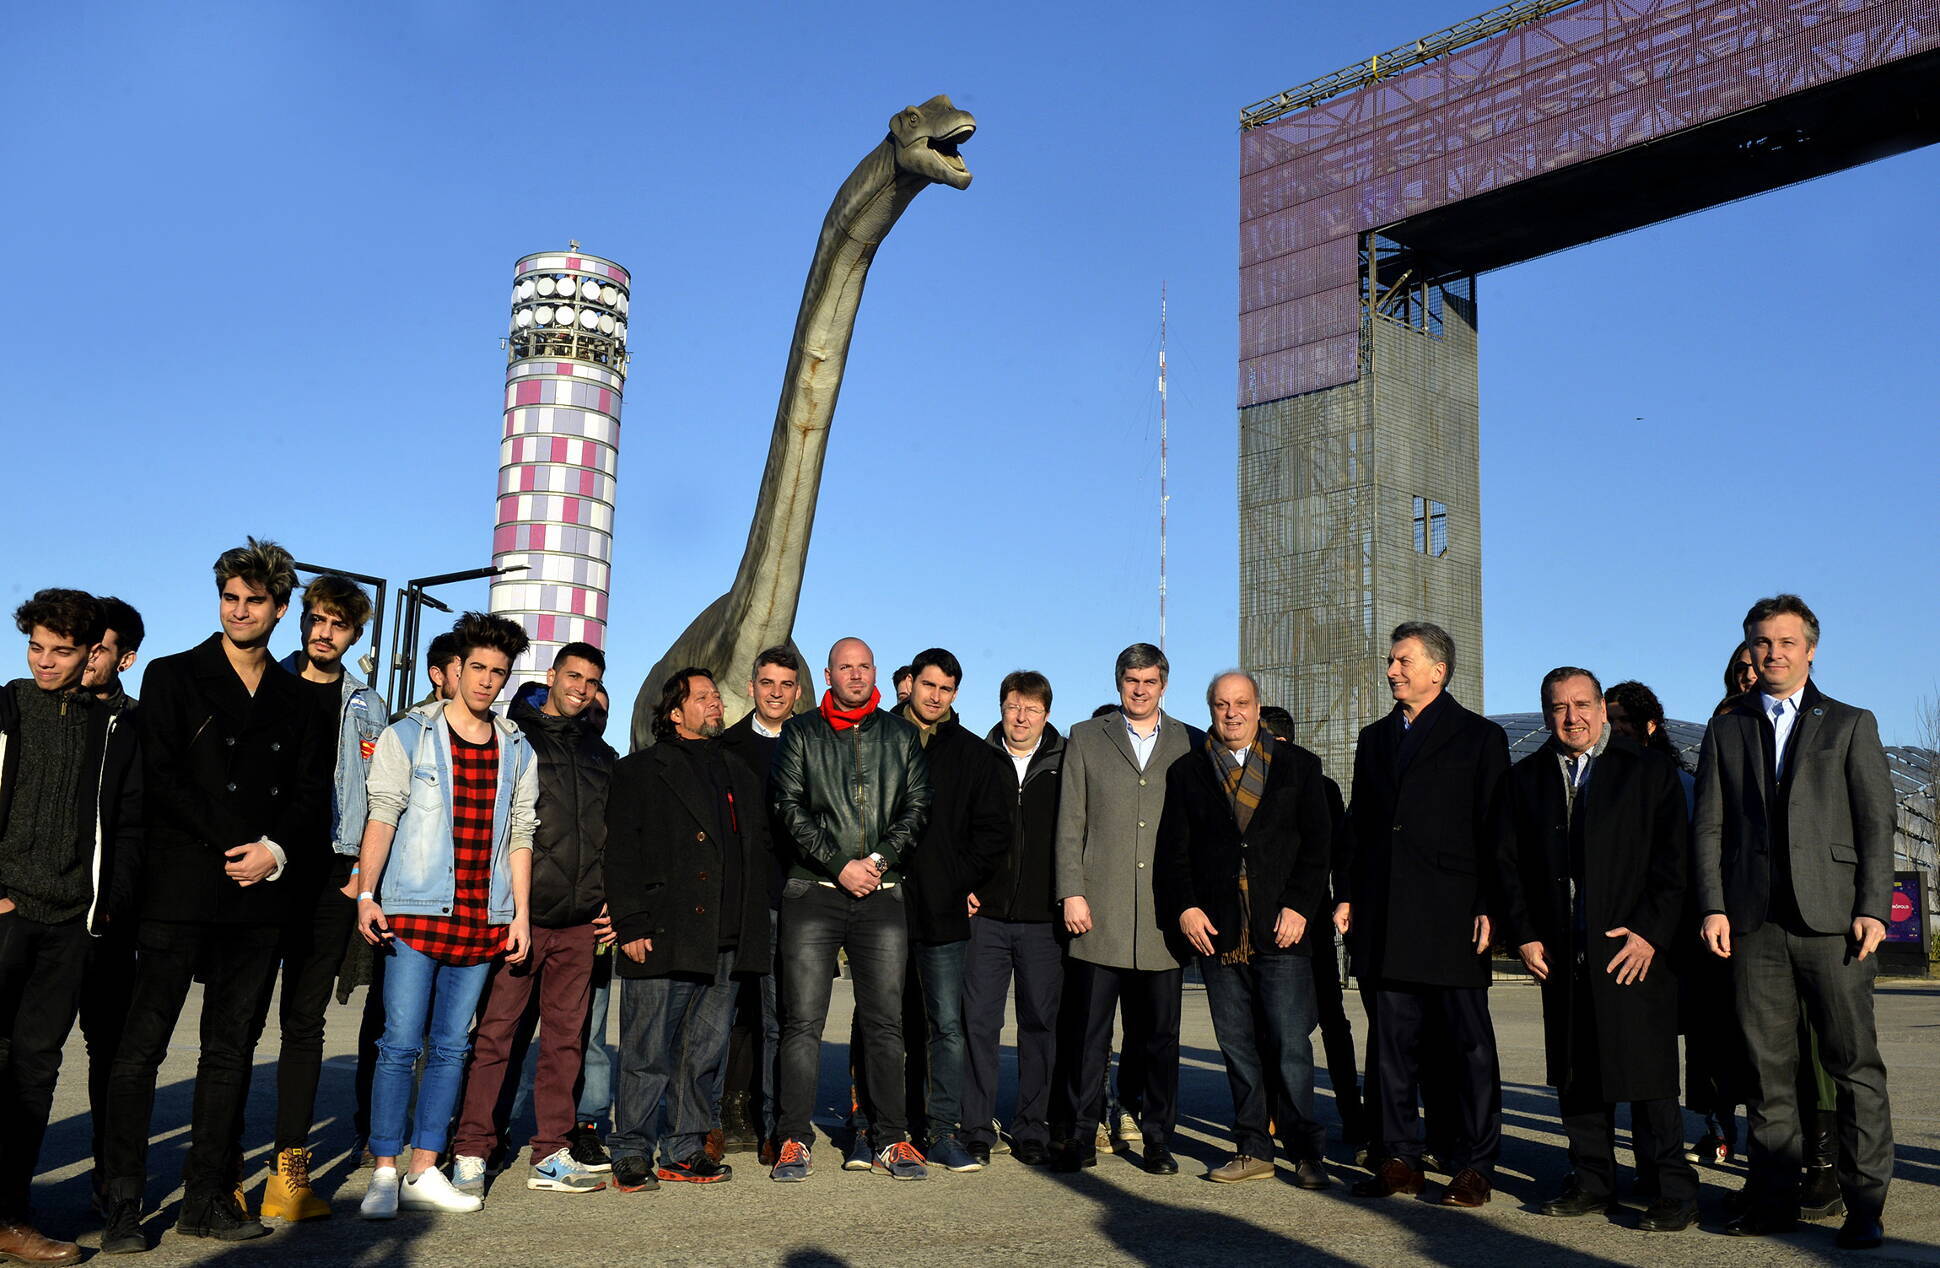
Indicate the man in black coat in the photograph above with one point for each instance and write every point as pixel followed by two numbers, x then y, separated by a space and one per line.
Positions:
pixel 687 858
pixel 1015 935
pixel 1592 899
pixel 238 817
pixel 1428 816
pixel 967 833
pixel 1243 853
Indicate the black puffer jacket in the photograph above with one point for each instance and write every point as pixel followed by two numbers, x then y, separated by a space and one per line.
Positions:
pixel 1021 891
pixel 843 795
pixel 575 767
pixel 969 828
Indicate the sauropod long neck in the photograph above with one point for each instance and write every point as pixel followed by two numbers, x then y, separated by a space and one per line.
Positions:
pixel 767 588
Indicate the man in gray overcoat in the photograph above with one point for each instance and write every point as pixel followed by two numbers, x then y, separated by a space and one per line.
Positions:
pixel 1108 825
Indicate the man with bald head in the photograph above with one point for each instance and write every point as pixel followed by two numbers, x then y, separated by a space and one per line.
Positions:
pixel 851 793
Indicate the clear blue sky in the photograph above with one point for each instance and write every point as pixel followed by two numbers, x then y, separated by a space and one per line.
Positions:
pixel 262 254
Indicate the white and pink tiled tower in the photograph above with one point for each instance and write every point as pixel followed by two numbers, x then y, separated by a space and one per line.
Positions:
pixel 560 450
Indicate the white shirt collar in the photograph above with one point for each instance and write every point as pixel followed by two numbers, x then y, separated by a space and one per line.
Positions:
pixel 760 728
pixel 1789 703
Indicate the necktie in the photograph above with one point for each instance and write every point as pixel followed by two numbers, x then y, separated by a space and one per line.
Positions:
pixel 1778 739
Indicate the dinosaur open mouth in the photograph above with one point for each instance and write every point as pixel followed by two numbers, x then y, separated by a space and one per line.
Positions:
pixel 947 145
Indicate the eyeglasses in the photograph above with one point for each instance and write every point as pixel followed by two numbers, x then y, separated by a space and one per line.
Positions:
pixel 1025 710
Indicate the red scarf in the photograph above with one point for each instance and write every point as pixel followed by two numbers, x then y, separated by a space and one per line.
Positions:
pixel 843 719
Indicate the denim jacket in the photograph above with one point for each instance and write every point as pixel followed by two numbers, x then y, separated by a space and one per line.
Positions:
pixel 360 720
pixel 410 788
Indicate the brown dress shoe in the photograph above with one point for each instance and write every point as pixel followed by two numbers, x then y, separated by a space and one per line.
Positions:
pixel 24 1245
pixel 1468 1188
pixel 1393 1176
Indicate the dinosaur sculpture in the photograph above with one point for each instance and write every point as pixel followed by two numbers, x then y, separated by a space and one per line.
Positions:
pixel 759 610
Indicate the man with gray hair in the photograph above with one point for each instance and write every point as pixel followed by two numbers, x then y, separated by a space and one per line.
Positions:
pixel 1429 816
pixel 1244 846
pixel 1108 825
pixel 1794 876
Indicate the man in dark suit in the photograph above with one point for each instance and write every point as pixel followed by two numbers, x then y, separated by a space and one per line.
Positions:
pixel 1794 833
pixel 1242 874
pixel 1592 899
pixel 238 820
pixel 1428 816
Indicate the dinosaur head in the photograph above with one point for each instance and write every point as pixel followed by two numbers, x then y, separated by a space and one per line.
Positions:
pixel 926 138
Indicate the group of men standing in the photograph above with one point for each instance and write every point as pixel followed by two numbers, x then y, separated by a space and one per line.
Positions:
pixel 495 864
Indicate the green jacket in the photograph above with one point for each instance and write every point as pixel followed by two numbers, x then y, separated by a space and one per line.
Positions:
pixel 842 795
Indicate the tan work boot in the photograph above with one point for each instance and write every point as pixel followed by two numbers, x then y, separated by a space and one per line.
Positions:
pixel 288 1194
pixel 1242 1167
pixel 24 1245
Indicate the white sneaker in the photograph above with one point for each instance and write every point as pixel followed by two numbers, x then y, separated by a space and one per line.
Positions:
pixel 1125 1131
pixel 430 1191
pixel 468 1175
pixel 560 1172
pixel 380 1200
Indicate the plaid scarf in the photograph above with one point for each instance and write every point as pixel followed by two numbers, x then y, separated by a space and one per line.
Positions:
pixel 1245 784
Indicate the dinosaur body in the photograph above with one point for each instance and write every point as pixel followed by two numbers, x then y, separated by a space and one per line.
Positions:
pixel 758 611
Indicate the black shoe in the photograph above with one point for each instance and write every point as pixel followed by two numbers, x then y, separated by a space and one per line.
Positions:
pixel 699 1169
pixel 1861 1232
pixel 1077 1156
pixel 1763 1219
pixel 1819 1197
pixel 124 1235
pixel 583 1143
pixel 631 1174
pixel 1574 1201
pixel 1667 1216
pixel 980 1152
pixel 1160 1162
pixel 1308 1174
pixel 1031 1153
pixel 217 1217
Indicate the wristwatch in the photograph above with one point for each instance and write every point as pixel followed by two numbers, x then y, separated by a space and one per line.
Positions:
pixel 881 864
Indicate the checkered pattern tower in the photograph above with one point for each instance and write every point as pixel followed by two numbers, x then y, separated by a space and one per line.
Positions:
pixel 559 451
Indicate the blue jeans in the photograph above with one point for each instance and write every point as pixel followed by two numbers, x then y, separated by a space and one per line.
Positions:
pixel 417 988
pixel 765 1112
pixel 596 1075
pixel 940 967
pixel 1263 1014
pixel 673 1045
pixel 816 922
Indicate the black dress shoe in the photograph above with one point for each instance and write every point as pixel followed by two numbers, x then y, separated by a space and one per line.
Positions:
pixel 124 1235
pixel 1469 1188
pixel 1160 1162
pixel 1861 1232
pixel 1668 1216
pixel 1762 1219
pixel 1308 1174
pixel 979 1152
pixel 1077 1157
pixel 1573 1201
pixel 1030 1152
pixel 217 1217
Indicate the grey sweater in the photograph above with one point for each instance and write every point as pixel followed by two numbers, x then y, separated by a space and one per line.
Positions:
pixel 43 863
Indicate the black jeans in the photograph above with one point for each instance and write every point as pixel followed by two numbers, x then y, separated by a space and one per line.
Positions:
pixel 999 951
pixel 105 992
pixel 816 922
pixel 1337 1037
pixel 1152 1005
pixel 41 970
pixel 312 950
pixel 238 961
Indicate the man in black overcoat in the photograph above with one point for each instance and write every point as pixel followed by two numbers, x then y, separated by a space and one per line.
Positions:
pixel 1428 815
pixel 1593 885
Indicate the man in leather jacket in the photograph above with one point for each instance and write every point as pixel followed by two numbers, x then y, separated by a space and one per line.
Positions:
pixel 852 791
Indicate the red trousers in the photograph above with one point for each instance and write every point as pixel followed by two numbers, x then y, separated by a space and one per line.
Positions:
pixel 560 967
